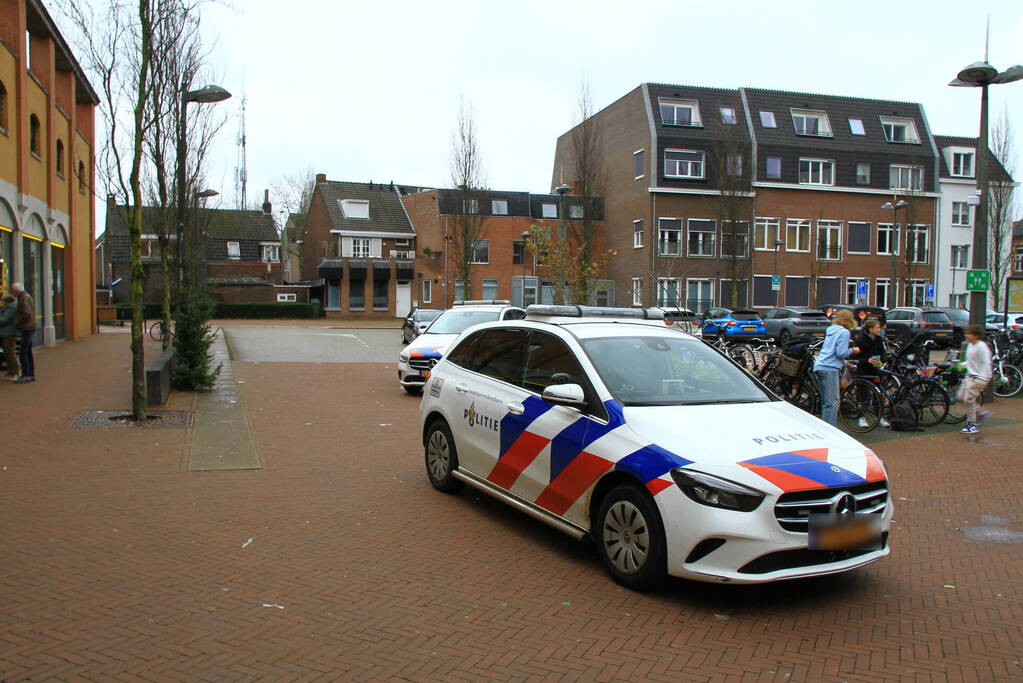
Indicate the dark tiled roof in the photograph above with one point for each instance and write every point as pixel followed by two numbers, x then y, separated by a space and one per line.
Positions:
pixel 995 169
pixel 247 281
pixel 386 212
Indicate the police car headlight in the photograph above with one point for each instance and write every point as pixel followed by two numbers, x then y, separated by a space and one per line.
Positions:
pixel 715 492
pixel 403 357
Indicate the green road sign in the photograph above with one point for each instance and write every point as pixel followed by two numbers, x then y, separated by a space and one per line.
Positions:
pixel 978 280
pixel 776 282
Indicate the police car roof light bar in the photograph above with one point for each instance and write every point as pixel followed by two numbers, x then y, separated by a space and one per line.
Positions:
pixel 576 311
pixel 483 302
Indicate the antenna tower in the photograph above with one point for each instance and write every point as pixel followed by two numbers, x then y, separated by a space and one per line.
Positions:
pixel 241 174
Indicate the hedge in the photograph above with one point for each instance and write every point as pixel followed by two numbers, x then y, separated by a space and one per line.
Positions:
pixel 152 311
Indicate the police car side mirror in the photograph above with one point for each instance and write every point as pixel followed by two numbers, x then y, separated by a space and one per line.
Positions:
pixel 564 395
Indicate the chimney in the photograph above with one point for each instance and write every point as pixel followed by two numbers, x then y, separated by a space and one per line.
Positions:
pixel 267 206
pixel 321 177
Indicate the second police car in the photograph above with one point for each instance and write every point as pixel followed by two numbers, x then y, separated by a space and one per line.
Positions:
pixel 603 422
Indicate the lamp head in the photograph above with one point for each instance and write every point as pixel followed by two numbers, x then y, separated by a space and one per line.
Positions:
pixel 901 204
pixel 977 73
pixel 887 206
pixel 526 235
pixel 206 94
pixel 206 194
pixel 563 189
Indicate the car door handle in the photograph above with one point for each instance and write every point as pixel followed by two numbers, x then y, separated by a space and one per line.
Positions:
pixel 515 408
pixel 461 388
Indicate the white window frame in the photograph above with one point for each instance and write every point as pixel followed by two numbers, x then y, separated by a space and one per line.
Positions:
pixel 710 287
pixel 726 233
pixel 912 232
pixel 753 290
pixel 767 119
pixel 637 234
pixel 703 239
pixel 767 244
pixel 695 120
pixel 891 292
pixel 888 124
pixel 823 125
pixel 274 249
pixel 856 127
pixel 237 249
pixel 575 211
pixel 852 282
pixel 662 233
pixel 662 282
pixel 637 291
pixel 960 257
pixel 362 247
pixel 917 287
pixel 354 208
pixel 899 173
pixel 767 168
pixel 786 288
pixel 700 171
pixel 817 165
pixel 283 298
pixel 499 207
pixel 549 210
pixel 639 162
pixel 475 246
pixel 831 230
pixel 427 291
pixel 803 227
pixel 728 116
pixel 865 177
pixel 888 229
pixel 491 282
pixel 870 238
pixel 958 159
pixel 958 215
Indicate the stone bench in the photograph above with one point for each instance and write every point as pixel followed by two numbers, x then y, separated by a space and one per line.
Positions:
pixel 158 378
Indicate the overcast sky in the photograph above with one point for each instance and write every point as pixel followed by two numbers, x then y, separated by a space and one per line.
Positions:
pixel 369 90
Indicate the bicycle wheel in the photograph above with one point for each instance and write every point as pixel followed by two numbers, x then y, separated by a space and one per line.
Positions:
pixel 860 406
pixel 929 399
pixel 743 355
pixel 156 331
pixel 1007 380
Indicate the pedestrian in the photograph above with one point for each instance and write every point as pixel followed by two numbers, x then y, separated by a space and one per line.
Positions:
pixel 25 324
pixel 978 375
pixel 830 362
pixel 871 355
pixel 9 337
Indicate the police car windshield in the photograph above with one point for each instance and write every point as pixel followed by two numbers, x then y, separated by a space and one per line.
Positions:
pixel 455 321
pixel 665 371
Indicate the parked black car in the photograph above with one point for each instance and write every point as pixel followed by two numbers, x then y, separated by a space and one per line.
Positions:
pixel 417 321
pixel 905 323
pixel 860 313
pixel 786 322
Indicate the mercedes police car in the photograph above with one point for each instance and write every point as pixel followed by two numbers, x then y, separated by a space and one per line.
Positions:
pixel 604 422
pixel 416 360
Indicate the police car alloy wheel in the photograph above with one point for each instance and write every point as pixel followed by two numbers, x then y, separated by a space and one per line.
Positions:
pixel 630 540
pixel 441 458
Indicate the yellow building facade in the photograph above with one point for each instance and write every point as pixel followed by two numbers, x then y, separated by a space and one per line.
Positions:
pixel 47 173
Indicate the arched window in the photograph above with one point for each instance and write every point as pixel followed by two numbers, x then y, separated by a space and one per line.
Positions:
pixel 33 134
pixel 3 107
pixel 60 158
pixel 81 177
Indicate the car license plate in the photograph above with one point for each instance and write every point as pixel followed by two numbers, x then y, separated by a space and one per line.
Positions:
pixel 941 334
pixel 426 373
pixel 818 334
pixel 749 329
pixel 845 532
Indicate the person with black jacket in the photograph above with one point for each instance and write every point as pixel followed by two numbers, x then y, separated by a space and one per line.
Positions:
pixel 871 344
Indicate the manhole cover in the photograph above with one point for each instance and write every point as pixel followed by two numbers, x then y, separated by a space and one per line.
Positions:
pixel 181 419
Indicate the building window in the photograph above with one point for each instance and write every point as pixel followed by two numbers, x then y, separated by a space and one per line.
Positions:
pixel 3 108
pixel 883 294
pixel 764 295
pixel 899 130
pixel 518 249
pixel 916 243
pixel 637 291
pixel 639 163
pixel 286 298
pixel 735 239
pixel 797 234
pixel 360 248
pixel 490 288
pixel 81 177
pixel 460 293
pixel 829 240
pixel 480 252
pixel 402 243
pixel 767 119
pixel 961 214
pixel 811 123
pixel 887 239
pixel 816 172
pixel 637 234
pixel 958 300
pixel 234 250
pixel 549 210
pixel 499 207
pixel 668 289
pixel 59 158
pixel 354 208
pixel 728 115
pixel 962 164
pixel 681 163
pixel 906 177
pixel 733 164
pixel 960 256
pixel 1018 260
pixel 859 238
pixel 797 290
pixel 679 112
pixel 699 296
pixel 701 237
pixel 271 253
pixel 357 294
pixel 575 211
pixel 917 293
pixel 470 206
pixel 863 174
pixel 669 237
pixel 427 291
pixel 851 289
pixel 766 233
pixel 33 134
pixel 773 168
pixel 856 127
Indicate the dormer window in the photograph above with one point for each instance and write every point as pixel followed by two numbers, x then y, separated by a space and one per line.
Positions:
pixel 962 164
pixel 899 130
pixel 354 208
pixel 680 112
pixel 808 122
pixel 728 115
pixel 767 119
pixel 856 127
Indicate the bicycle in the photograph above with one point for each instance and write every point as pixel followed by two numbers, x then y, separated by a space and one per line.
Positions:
pixel 740 353
pixel 157 331
pixel 1006 379
pixel 950 376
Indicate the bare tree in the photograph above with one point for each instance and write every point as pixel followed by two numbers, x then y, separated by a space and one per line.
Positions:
pixel 293 192
pixel 734 206
pixel 467 176
pixel 1001 207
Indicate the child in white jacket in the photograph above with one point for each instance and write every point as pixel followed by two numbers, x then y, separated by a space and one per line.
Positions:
pixel 978 375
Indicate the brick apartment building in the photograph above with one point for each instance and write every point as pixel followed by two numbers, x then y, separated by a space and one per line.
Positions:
pixel 711 189
pixel 47 219
pixel 1017 248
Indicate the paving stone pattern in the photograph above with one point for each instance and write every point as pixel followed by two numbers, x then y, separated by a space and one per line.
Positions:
pixel 338 561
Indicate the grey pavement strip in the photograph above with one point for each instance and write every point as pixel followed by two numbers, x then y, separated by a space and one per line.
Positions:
pixel 221 435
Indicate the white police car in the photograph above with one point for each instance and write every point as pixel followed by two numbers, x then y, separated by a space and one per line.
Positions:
pixel 672 458
pixel 417 359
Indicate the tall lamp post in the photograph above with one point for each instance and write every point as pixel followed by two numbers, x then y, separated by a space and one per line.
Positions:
pixel 525 238
pixel 981 75
pixel 777 246
pixel 893 249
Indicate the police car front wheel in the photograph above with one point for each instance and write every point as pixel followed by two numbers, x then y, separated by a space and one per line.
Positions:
pixel 441 458
pixel 630 538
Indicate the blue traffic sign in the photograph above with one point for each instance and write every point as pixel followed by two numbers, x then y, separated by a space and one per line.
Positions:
pixel 861 288
pixel 930 291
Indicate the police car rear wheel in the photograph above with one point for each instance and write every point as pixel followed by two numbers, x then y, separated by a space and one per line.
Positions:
pixel 631 538
pixel 441 458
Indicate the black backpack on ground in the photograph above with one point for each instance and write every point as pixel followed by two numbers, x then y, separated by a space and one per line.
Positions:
pixel 904 417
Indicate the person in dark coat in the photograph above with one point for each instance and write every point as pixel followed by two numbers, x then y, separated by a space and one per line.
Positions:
pixel 25 323
pixel 871 344
pixel 9 336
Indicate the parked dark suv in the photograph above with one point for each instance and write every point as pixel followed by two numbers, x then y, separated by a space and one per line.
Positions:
pixel 905 323
pixel 860 313
pixel 787 322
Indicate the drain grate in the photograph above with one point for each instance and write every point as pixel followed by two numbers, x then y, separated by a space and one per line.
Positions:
pixel 180 419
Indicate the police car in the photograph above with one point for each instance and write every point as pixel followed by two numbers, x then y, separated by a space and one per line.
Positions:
pixel 416 360
pixel 605 423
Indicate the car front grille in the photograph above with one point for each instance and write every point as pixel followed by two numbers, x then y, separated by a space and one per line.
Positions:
pixel 797 558
pixel 422 363
pixel 793 510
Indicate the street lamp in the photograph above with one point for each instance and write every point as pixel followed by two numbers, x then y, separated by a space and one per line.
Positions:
pixel 981 75
pixel 562 190
pixel 893 249
pixel 525 237
pixel 777 246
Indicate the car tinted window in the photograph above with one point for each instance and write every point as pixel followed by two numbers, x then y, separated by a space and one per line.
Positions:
pixel 957 314
pixel 669 371
pixel 935 317
pixel 547 356
pixel 456 321
pixel 746 315
pixel 813 314
pixel 462 354
pixel 498 354
pixel 514 314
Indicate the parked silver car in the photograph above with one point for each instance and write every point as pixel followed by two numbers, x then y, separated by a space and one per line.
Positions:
pixel 416 322
pixel 787 322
